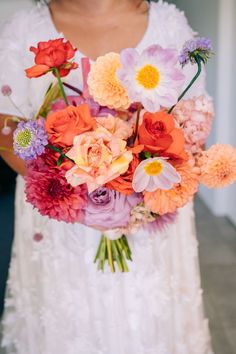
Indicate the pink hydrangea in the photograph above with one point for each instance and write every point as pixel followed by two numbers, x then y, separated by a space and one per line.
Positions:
pixel 195 117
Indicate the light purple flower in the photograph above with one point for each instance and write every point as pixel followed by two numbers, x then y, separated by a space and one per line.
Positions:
pixel 201 47
pixel 30 139
pixel 152 77
pixel 160 223
pixel 108 209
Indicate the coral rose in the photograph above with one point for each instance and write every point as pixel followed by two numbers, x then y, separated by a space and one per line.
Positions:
pixel 123 183
pixel 159 134
pixel 50 55
pixel 116 126
pixel 168 201
pixel 99 158
pixel 218 166
pixel 62 126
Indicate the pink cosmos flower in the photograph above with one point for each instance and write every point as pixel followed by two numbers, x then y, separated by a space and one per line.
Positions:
pixel 48 191
pixel 195 117
pixel 152 77
pixel 99 157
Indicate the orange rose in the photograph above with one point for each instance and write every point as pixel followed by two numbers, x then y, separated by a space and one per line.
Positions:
pixel 123 183
pixel 52 54
pixel 158 134
pixel 62 126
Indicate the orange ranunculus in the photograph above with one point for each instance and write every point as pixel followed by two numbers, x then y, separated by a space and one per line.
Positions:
pixel 159 134
pixel 123 183
pixel 62 126
pixel 52 54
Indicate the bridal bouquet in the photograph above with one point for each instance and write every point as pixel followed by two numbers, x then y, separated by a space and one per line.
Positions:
pixel 124 153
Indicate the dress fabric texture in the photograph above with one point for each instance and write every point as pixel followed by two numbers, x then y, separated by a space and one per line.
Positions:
pixel 57 302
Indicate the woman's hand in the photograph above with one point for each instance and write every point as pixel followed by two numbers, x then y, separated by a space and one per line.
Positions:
pixel 17 164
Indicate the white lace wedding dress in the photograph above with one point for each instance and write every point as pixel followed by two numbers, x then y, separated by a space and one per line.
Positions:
pixel 57 302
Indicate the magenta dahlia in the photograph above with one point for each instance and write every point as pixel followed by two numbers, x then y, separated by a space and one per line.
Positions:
pixel 49 192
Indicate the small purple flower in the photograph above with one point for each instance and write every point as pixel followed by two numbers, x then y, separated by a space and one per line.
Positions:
pixel 108 209
pixel 199 47
pixel 6 90
pixel 30 139
pixel 160 223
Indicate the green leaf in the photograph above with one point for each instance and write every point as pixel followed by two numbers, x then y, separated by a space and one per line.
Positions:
pixel 60 159
pixel 147 154
pixel 52 94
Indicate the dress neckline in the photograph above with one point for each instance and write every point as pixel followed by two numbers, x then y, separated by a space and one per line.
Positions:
pixel 138 46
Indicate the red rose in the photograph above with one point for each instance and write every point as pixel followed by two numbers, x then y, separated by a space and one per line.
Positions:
pixel 158 134
pixel 52 54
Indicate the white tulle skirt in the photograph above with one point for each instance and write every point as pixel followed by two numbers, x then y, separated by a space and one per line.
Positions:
pixel 58 303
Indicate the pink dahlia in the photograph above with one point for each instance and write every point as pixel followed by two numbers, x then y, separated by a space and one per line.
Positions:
pixel 48 191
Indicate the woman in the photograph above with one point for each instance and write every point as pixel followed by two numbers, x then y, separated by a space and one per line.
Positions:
pixel 57 301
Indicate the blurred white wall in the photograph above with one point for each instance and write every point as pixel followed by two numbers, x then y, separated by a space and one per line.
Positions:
pixel 8 7
pixel 217 19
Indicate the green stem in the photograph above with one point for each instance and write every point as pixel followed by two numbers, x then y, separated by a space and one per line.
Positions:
pixel 199 70
pixel 116 255
pixel 56 72
pixel 132 139
pixel 54 148
pixel 2 148
pixel 109 253
pixel 99 250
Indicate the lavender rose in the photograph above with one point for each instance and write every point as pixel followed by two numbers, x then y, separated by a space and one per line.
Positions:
pixel 108 209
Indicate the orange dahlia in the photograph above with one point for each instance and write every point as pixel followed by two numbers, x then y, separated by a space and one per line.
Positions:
pixel 104 85
pixel 218 166
pixel 167 201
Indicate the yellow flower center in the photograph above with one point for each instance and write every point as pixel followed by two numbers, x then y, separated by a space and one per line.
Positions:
pixel 24 138
pixel 148 76
pixel 153 168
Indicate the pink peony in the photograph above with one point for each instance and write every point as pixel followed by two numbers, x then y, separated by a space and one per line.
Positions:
pixel 195 117
pixel 48 191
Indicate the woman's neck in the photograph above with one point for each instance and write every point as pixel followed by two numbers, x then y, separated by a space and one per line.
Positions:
pixel 96 8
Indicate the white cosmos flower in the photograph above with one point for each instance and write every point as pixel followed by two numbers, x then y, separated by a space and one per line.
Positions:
pixel 155 173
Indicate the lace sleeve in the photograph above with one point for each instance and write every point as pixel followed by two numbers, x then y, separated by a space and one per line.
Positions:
pixel 12 64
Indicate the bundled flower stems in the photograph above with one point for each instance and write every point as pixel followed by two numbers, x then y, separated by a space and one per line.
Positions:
pixel 126 152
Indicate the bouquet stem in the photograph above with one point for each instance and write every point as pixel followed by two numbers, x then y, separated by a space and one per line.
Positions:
pixel 113 252
pixel 55 70
pixel 199 70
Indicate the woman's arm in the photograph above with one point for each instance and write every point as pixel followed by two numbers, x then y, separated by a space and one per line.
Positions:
pixel 13 161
